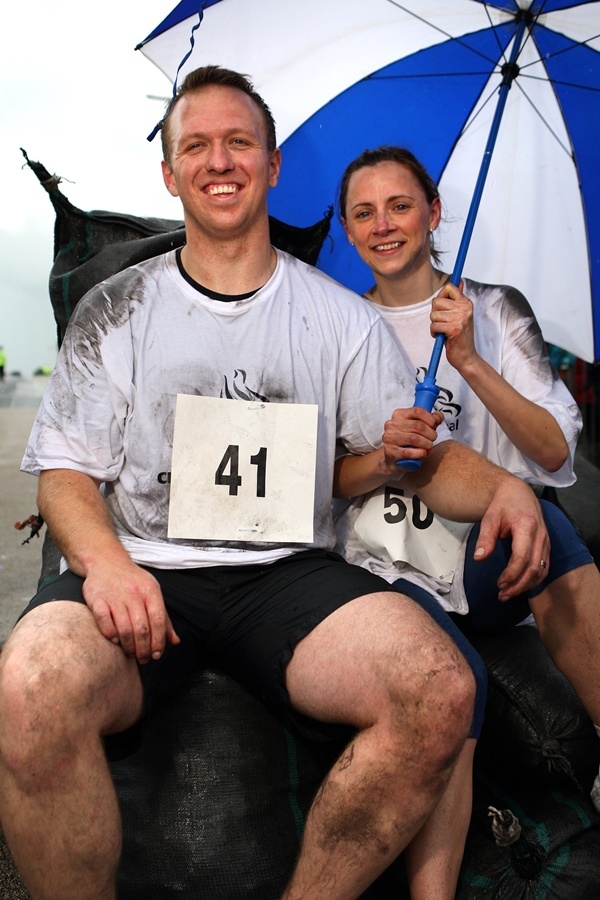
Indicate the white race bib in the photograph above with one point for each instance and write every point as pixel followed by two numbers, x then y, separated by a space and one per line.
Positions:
pixel 396 526
pixel 243 471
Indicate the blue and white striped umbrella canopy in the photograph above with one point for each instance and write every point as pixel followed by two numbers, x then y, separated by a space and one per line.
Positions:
pixel 344 75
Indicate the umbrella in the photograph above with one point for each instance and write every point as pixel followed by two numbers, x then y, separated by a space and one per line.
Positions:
pixel 342 75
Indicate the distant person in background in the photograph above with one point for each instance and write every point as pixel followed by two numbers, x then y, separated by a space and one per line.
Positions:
pixel 2 362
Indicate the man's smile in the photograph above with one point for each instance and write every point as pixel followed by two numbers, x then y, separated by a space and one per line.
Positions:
pixel 214 189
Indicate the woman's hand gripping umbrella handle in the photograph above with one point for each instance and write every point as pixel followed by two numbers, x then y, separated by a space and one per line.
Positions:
pixel 426 393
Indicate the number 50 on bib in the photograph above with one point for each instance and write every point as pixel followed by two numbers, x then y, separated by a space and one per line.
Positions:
pixel 243 471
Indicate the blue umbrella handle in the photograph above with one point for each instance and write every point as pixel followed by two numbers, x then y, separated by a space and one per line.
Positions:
pixel 426 392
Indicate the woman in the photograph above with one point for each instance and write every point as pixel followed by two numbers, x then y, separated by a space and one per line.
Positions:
pixel 500 395
pixel 499 391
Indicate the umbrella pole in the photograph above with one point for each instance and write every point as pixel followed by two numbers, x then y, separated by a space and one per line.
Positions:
pixel 427 391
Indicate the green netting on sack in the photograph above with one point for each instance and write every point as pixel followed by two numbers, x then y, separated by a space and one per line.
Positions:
pixel 213 804
pixel 549 851
pixel 535 724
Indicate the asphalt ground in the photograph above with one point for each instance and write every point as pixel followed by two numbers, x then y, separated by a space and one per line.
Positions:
pixel 20 564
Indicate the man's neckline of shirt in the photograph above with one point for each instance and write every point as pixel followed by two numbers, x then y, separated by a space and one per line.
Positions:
pixel 214 295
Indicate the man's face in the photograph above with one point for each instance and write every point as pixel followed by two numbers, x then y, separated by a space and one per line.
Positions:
pixel 220 166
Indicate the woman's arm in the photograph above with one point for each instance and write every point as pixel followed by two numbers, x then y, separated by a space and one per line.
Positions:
pixel 409 434
pixel 532 429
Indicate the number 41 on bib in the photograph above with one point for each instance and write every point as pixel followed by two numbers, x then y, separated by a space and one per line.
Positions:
pixel 243 471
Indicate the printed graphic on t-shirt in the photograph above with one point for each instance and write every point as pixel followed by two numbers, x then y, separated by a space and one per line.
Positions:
pixel 235 388
pixel 445 403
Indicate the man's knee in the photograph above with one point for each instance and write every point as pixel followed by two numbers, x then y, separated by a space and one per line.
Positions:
pixel 449 626
pixel 31 714
pixel 55 688
pixel 382 663
pixel 436 701
pixel 446 713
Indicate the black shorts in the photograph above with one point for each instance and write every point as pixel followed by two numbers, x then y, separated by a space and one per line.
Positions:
pixel 246 620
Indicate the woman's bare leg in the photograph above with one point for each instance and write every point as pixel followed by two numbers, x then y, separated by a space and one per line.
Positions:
pixel 434 856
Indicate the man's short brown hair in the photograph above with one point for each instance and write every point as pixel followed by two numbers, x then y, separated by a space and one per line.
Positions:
pixel 206 76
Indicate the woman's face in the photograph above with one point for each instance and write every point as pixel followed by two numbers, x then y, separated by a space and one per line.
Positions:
pixel 388 218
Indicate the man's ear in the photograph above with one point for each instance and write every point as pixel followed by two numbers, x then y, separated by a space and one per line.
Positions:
pixel 169 180
pixel 274 167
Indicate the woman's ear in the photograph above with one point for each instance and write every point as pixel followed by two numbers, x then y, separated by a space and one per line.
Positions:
pixel 436 214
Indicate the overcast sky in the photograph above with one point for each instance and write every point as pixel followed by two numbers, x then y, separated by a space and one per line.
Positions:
pixel 74 96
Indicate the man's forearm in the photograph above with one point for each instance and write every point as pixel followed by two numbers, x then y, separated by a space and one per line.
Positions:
pixel 78 519
pixel 457 482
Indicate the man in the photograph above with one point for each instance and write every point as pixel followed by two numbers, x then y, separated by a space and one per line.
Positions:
pixel 319 641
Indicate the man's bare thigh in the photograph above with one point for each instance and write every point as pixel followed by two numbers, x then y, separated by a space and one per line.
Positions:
pixel 346 669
